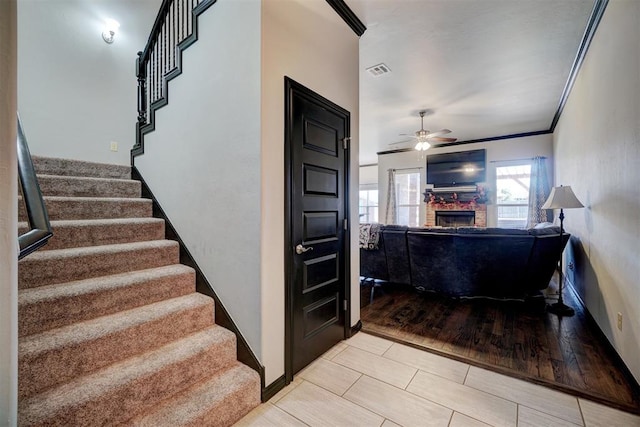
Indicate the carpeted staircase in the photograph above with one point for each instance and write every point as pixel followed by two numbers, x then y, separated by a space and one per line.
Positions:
pixel 111 330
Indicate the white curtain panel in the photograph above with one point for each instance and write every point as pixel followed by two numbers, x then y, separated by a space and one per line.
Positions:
pixel 392 203
pixel 538 192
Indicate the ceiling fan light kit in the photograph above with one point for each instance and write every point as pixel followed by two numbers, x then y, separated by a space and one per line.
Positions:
pixel 422 146
pixel 424 136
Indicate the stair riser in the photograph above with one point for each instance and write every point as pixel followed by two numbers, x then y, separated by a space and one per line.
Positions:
pixel 41 370
pixel 40 271
pixel 64 167
pixel 126 400
pixel 229 410
pixel 46 314
pixel 78 187
pixel 92 209
pixel 244 395
pixel 75 236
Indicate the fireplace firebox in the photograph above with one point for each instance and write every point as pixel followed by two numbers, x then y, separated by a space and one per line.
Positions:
pixel 455 218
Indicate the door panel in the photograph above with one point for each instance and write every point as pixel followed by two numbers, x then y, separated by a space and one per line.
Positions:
pixel 317 190
pixel 321 138
pixel 320 181
pixel 320 226
pixel 319 272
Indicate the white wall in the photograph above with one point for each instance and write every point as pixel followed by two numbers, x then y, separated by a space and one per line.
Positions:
pixel 597 152
pixel 8 217
pixel 76 93
pixel 203 160
pixel 498 150
pixel 307 41
pixel 368 175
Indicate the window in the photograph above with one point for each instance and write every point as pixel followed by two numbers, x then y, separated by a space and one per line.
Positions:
pixel 368 206
pixel 409 198
pixel 512 195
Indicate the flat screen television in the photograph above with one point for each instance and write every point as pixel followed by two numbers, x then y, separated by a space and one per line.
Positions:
pixel 456 169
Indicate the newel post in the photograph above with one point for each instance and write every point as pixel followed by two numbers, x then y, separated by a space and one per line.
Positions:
pixel 141 73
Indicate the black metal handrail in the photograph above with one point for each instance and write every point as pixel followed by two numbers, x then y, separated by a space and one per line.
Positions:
pixel 174 30
pixel 40 228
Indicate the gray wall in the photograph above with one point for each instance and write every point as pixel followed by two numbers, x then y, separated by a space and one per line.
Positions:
pixel 203 160
pixel 8 218
pixel 597 151
pixel 77 94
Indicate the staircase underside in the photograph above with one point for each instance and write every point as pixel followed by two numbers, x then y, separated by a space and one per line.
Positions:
pixel 111 330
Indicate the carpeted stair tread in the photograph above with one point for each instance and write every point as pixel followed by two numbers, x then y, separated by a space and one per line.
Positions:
pixel 58 355
pixel 98 232
pixel 66 208
pixel 53 306
pixel 123 390
pixel 66 167
pixel 81 186
pixel 110 329
pixel 64 265
pixel 219 401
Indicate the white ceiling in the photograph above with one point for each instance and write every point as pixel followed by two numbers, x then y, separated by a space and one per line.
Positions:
pixel 484 68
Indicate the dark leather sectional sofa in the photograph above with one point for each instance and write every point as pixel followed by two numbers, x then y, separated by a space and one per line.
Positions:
pixel 466 262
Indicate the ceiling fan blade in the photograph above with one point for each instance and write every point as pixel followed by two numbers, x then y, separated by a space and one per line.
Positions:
pixel 401 142
pixel 438 133
pixel 424 135
pixel 441 139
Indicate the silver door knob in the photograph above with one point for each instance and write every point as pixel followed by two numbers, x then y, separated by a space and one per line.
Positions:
pixel 301 249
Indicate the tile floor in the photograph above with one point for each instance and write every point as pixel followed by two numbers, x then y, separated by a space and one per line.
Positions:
pixel 370 381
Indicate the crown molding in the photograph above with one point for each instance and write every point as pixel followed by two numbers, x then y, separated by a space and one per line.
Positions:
pixel 594 20
pixel 348 16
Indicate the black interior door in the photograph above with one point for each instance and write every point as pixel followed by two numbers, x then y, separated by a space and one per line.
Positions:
pixel 317 252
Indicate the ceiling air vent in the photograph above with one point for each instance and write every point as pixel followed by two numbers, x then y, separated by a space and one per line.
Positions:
pixel 378 70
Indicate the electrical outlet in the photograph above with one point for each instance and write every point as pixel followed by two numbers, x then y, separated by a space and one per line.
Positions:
pixel 114 146
pixel 620 321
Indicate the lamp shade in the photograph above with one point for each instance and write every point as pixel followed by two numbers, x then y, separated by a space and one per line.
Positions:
pixel 562 198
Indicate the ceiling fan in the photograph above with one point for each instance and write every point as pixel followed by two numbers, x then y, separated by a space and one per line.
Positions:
pixel 426 137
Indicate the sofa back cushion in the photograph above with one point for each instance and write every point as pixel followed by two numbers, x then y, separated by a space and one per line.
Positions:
pixel 395 247
pixel 494 231
pixel 544 231
pixel 440 230
pixel 492 264
pixel 433 265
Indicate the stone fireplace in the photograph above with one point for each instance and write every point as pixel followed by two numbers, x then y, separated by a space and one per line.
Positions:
pixel 456 209
pixel 479 212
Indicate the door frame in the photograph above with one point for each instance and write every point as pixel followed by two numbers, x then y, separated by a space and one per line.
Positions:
pixel 291 87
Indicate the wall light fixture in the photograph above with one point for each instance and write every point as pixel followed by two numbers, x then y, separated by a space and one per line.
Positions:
pixel 109 31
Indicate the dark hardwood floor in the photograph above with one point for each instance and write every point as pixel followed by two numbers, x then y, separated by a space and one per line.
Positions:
pixel 569 354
